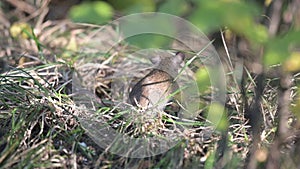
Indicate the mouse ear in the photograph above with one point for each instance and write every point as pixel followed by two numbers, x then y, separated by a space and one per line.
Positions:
pixel 179 57
pixel 155 59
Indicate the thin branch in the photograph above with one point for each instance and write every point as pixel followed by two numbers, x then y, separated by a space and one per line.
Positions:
pixel 22 5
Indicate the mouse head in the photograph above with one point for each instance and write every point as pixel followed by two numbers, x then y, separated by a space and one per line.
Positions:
pixel 168 63
pixel 178 58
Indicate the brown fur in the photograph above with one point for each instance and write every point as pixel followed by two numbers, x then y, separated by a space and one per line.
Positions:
pixel 155 88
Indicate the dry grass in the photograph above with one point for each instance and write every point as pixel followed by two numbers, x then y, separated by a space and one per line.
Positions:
pixel 39 125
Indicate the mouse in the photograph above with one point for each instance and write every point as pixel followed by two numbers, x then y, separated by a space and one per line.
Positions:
pixel 154 90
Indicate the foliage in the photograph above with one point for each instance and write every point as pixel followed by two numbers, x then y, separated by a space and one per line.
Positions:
pixel 92 12
pixel 39 128
pixel 280 49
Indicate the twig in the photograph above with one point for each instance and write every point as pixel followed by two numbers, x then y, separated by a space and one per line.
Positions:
pixel 22 5
pixel 275 18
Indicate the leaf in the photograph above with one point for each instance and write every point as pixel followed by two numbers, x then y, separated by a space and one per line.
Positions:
pixel 276 52
pixel 211 159
pixel 203 80
pixel 217 116
pixel 133 6
pixel 147 32
pixel 236 15
pixel 174 7
pixel 279 48
pixel 149 41
pixel 20 30
pixel 292 64
pixel 98 12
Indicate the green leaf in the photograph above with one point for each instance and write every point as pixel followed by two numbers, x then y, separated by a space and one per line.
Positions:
pixel 292 64
pixel 218 116
pixel 236 15
pixel 209 163
pixel 19 29
pixel 133 6
pixel 149 41
pixel 203 80
pixel 98 12
pixel 278 49
pixel 174 7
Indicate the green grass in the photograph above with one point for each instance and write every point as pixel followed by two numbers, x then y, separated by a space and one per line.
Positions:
pixel 40 122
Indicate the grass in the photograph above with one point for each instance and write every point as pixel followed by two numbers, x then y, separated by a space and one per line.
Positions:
pixel 43 131
pixel 41 125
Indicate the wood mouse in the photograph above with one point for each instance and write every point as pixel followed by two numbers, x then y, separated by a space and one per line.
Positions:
pixel 154 90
